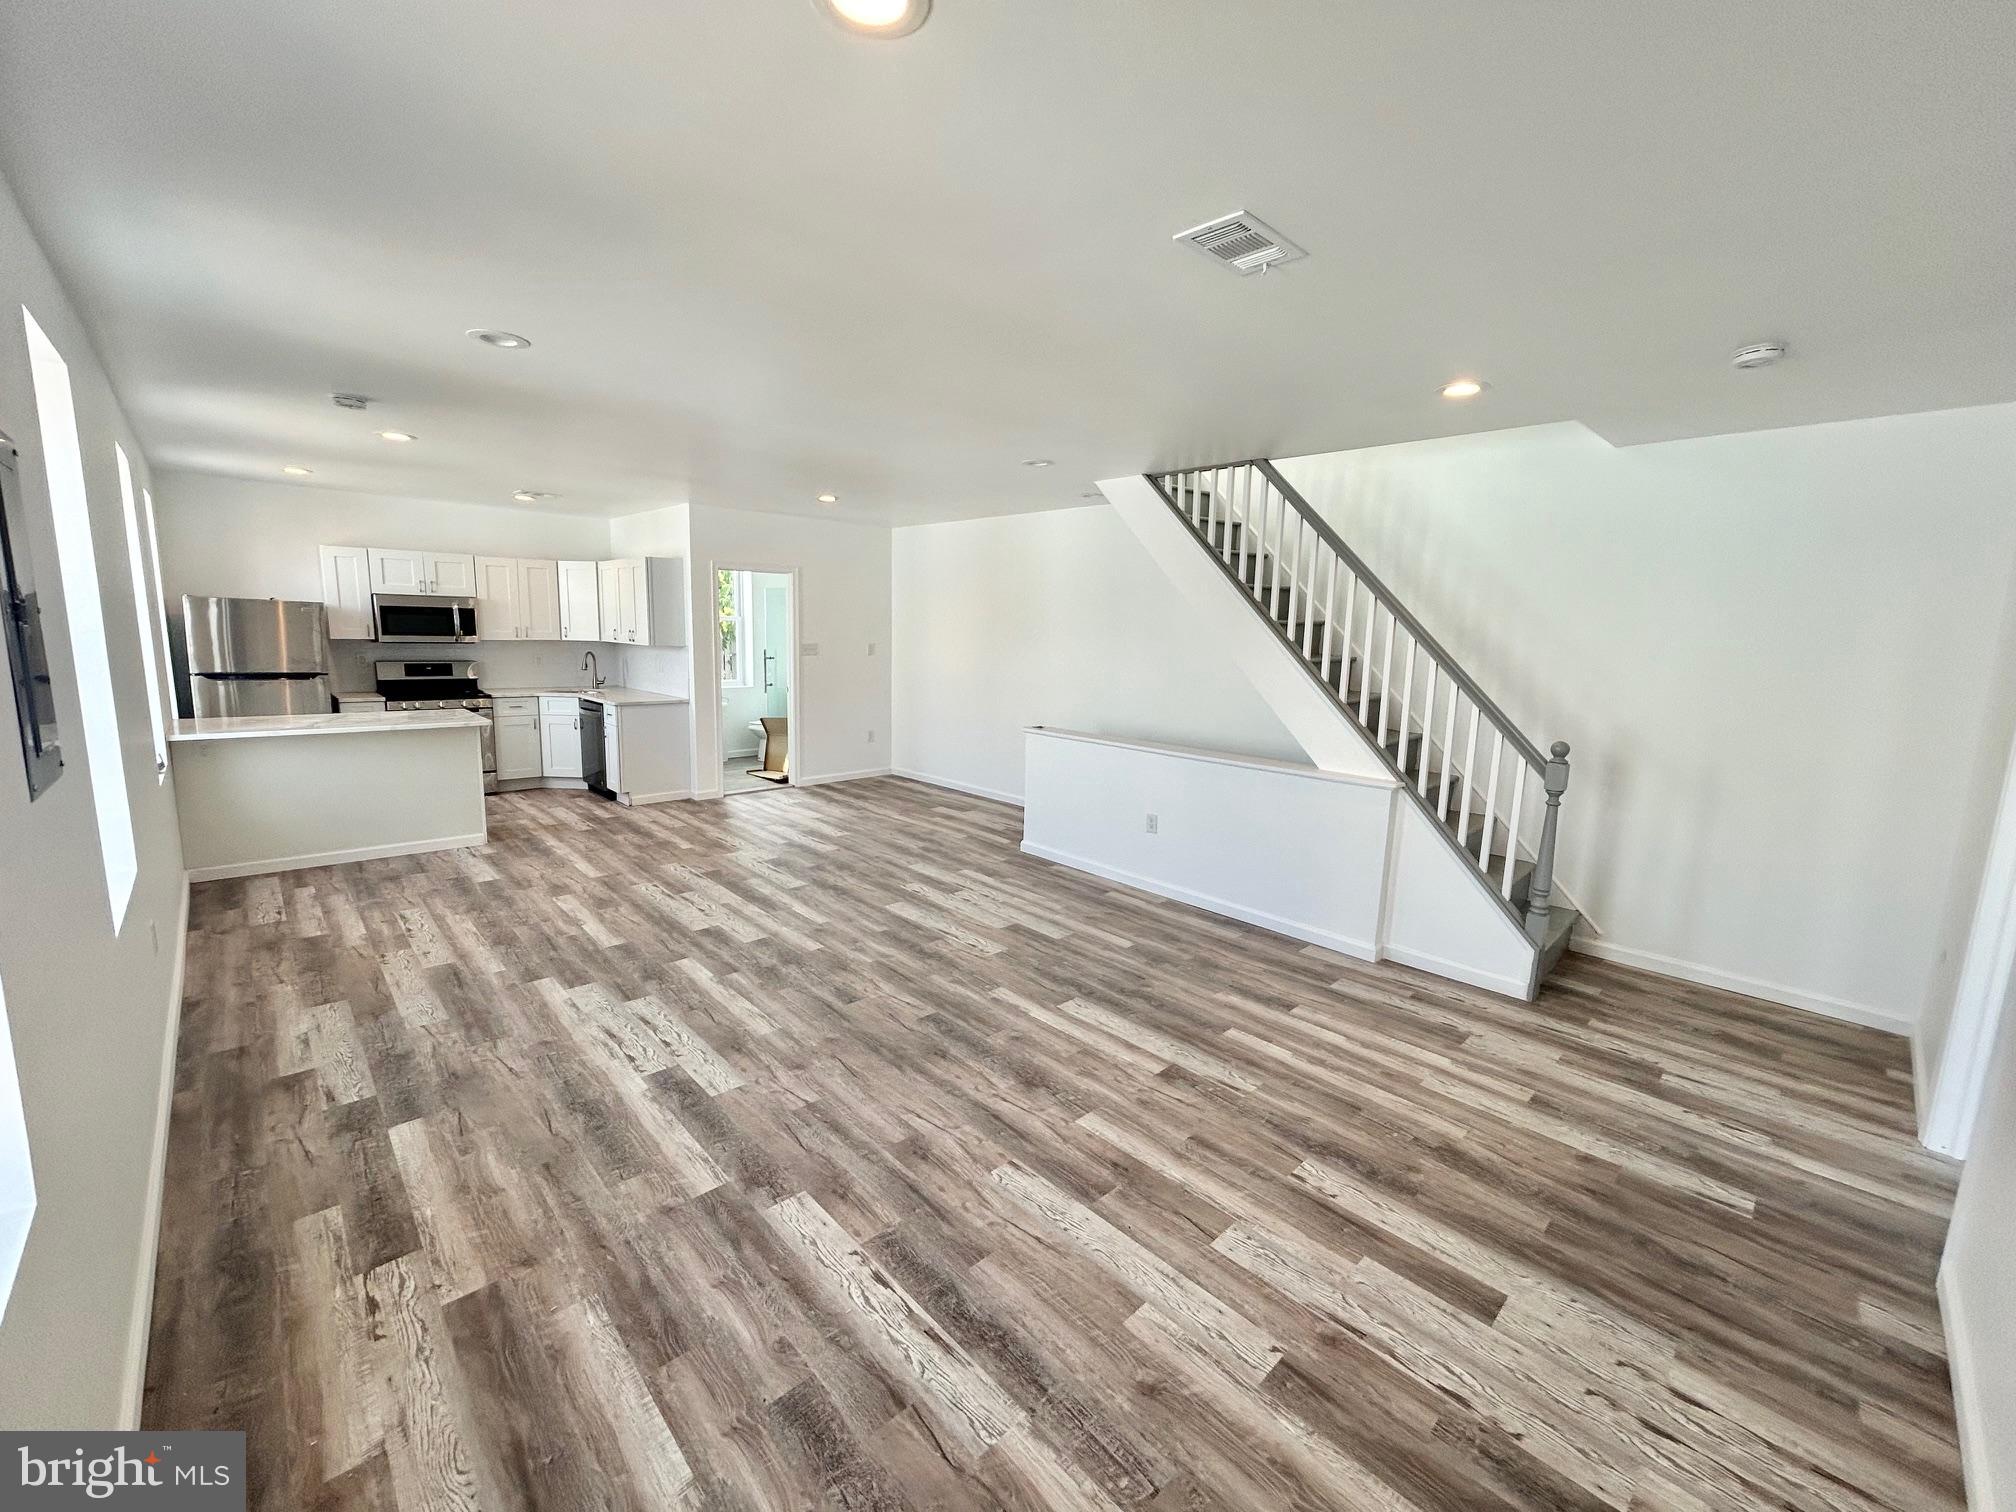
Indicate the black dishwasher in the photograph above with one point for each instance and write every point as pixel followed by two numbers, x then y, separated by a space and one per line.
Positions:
pixel 594 757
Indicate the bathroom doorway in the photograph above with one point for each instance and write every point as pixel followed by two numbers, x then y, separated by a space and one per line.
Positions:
pixel 756 645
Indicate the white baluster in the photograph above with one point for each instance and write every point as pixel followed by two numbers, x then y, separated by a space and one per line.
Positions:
pixel 1428 730
pixel 1294 549
pixel 1512 828
pixel 1386 675
pixel 1330 615
pixel 1350 610
pixel 1448 749
pixel 1491 800
pixel 1469 772
pixel 1365 676
pixel 1407 702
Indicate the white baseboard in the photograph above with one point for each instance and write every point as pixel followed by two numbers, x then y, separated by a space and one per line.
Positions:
pixel 1456 971
pixel 958 787
pixel 638 800
pixel 1964 1370
pixel 825 777
pixel 1748 986
pixel 331 858
pixel 1292 928
pixel 134 1386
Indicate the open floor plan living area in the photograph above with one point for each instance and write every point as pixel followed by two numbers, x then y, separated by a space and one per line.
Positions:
pixel 845 754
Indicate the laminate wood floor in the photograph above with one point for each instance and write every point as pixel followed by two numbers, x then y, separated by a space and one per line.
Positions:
pixel 826 1151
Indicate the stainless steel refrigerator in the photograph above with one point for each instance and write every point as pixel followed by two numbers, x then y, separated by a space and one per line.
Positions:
pixel 257 656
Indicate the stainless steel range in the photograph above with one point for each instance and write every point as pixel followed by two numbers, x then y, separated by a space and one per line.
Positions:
pixel 441 685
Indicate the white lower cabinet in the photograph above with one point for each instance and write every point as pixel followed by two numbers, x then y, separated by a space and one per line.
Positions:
pixel 518 745
pixel 560 737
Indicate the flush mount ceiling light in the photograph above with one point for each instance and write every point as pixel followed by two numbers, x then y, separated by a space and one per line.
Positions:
pixel 1758 354
pixel 1464 388
pixel 532 496
pixel 1039 462
pixel 397 436
pixel 829 498
pixel 876 18
pixel 508 339
pixel 296 472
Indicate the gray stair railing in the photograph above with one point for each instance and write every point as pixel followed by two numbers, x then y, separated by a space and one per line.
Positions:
pixel 1453 749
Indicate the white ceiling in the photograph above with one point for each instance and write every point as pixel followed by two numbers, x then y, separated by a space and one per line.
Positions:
pixel 761 258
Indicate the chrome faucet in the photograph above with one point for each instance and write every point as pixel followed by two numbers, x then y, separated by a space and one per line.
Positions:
pixel 593 668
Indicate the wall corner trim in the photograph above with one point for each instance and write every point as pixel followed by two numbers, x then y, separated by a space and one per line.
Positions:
pixel 1964 1370
pixel 133 1387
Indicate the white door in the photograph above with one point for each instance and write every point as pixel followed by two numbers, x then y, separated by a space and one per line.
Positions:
pixel 560 744
pixel 346 591
pixel 609 589
pixel 539 600
pixel 398 571
pixel 518 752
pixel 580 601
pixel 499 614
pixel 451 573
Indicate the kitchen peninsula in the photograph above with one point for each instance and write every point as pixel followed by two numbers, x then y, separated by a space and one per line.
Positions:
pixel 287 791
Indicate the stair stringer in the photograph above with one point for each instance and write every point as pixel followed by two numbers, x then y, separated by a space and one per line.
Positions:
pixel 1438 913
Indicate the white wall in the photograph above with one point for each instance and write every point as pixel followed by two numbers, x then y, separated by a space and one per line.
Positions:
pixel 1977 1292
pixel 1230 832
pixel 1782 659
pixel 91 1014
pixel 843 587
pixel 1054 619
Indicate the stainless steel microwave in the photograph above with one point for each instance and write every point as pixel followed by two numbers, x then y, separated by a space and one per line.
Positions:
pixel 423 617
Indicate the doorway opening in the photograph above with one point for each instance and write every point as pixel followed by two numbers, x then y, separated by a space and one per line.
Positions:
pixel 757 640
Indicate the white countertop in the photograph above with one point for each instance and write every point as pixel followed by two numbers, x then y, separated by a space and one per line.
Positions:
pixel 609 695
pixel 270 726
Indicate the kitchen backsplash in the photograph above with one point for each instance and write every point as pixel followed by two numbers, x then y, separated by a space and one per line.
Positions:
pixel 499 664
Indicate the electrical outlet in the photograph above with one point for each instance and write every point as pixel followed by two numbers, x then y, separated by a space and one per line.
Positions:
pixel 871 648
pixel 1154 824
pixel 871 737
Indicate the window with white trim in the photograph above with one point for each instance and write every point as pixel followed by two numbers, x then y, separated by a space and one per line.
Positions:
pixel 136 561
pixel 731 594
pixel 83 609
pixel 160 604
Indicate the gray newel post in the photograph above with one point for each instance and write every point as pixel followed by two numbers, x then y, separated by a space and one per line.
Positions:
pixel 1539 895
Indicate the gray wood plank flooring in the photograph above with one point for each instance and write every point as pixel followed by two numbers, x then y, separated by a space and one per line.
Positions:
pixel 827 1151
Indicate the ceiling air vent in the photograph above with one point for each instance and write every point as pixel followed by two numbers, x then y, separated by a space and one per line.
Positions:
pixel 1244 243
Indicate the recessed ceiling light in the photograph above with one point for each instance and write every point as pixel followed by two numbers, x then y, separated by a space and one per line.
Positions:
pixel 1758 354
pixel 829 498
pixel 877 18
pixel 499 338
pixel 295 472
pixel 397 436
pixel 1039 462
pixel 532 496
pixel 1464 388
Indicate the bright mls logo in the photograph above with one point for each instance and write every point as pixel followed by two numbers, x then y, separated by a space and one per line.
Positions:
pixel 165 1472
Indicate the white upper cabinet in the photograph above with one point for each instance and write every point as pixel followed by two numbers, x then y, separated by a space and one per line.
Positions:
pixel 517 599
pixel 499 614
pixel 630 601
pixel 397 571
pixel 539 599
pixel 580 601
pixel 451 573
pixel 346 592
pixel 644 601
pixel 609 592
pixel 422 572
